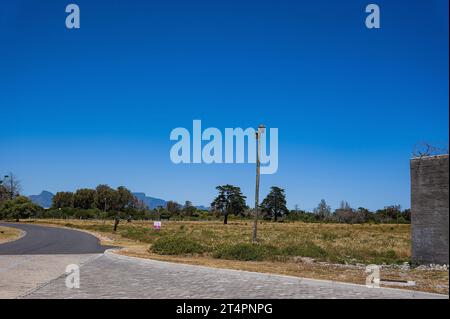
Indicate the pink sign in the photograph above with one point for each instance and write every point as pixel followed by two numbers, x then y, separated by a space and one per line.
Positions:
pixel 157 225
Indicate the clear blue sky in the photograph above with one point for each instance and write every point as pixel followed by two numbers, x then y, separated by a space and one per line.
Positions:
pixel 96 105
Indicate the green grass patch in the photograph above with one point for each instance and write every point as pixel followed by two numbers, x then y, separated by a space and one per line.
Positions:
pixel 306 249
pixel 177 245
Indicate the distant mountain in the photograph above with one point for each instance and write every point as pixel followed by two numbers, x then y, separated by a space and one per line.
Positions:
pixel 151 202
pixel 44 199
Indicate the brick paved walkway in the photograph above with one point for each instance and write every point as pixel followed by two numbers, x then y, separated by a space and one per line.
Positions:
pixel 114 276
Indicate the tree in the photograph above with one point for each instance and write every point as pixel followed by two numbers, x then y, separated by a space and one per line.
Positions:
pixel 189 209
pixel 139 205
pixel 12 185
pixel 275 203
pixel 124 199
pixel 344 214
pixel 84 198
pixel 105 197
pixel 4 194
pixel 345 205
pixel 173 207
pixel 62 200
pixel 389 214
pixel 363 215
pixel 19 207
pixel 229 201
pixel 322 211
pixel 406 214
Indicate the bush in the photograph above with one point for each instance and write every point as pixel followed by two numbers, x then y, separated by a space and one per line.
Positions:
pixel 245 251
pixel 177 245
pixel 307 249
pixel 19 207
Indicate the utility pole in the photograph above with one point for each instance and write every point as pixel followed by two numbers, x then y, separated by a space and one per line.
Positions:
pixel 260 131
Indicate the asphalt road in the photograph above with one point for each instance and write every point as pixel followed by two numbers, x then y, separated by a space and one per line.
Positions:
pixel 42 240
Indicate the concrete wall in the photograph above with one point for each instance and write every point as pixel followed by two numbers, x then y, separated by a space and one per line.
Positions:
pixel 430 209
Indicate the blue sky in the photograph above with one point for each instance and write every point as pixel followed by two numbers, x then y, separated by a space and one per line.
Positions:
pixel 97 104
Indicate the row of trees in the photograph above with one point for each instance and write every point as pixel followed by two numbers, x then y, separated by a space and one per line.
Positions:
pixel 106 202
pixel 348 215
pixel 230 200
pixel 102 197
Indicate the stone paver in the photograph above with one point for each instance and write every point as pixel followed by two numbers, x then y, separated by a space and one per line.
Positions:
pixel 114 276
pixel 20 274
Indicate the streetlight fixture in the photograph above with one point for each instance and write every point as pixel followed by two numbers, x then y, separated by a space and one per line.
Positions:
pixel 12 187
pixel 261 130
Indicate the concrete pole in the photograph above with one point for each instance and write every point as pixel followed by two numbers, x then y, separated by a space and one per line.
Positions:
pixel 258 164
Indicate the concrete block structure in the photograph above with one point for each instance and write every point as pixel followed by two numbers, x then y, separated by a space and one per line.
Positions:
pixel 430 209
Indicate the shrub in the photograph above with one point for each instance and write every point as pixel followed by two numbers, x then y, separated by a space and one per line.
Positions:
pixel 307 249
pixel 177 245
pixel 245 251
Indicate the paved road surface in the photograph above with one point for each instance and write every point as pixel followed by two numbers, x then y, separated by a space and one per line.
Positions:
pixel 40 240
pixel 114 276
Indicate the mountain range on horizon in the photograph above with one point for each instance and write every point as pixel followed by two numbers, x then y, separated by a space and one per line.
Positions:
pixel 45 198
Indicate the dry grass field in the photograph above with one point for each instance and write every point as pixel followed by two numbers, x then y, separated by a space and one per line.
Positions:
pixel 9 234
pixel 322 251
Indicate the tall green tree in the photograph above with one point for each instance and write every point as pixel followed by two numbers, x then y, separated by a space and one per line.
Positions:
pixel 124 199
pixel 105 197
pixel 230 200
pixel 275 203
pixel 84 198
pixel 62 200
pixel 19 207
